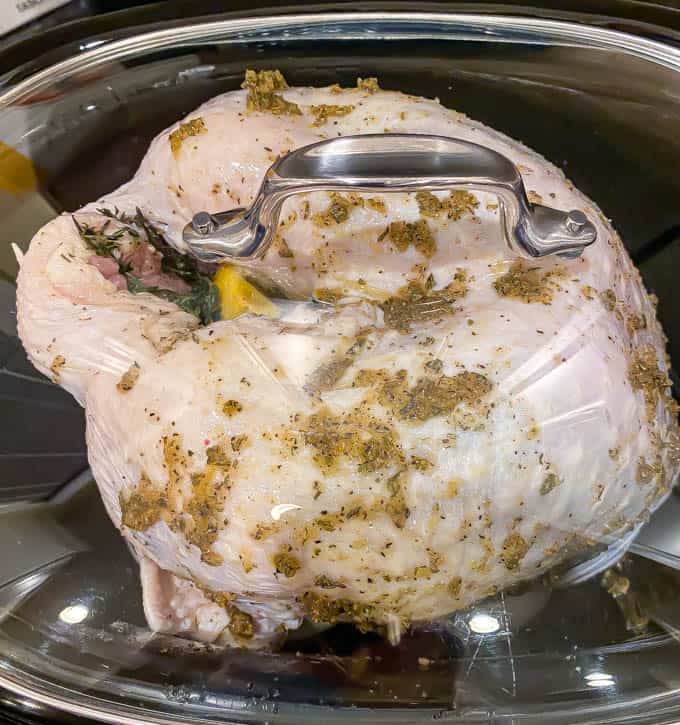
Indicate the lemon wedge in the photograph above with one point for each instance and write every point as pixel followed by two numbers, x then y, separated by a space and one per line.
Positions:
pixel 238 296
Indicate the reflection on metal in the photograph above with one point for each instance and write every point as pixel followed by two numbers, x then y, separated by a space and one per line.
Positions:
pixel 389 162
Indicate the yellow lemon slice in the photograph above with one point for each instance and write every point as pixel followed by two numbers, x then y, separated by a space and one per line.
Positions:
pixel 237 296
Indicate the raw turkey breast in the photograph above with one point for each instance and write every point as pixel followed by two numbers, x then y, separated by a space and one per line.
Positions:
pixel 451 421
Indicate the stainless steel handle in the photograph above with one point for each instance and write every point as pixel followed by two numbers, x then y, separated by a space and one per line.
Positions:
pixel 387 163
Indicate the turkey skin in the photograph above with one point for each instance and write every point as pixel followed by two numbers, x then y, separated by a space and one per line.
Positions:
pixel 441 421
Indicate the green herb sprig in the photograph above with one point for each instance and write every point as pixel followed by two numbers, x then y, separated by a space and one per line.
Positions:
pixel 101 243
pixel 202 300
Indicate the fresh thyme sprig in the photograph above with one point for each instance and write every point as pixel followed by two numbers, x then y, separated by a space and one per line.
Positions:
pixel 202 300
pixel 101 243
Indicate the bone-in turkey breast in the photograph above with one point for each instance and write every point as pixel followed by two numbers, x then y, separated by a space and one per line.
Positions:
pixel 452 421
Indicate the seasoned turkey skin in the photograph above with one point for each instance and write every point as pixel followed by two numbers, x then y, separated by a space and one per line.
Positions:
pixel 453 421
